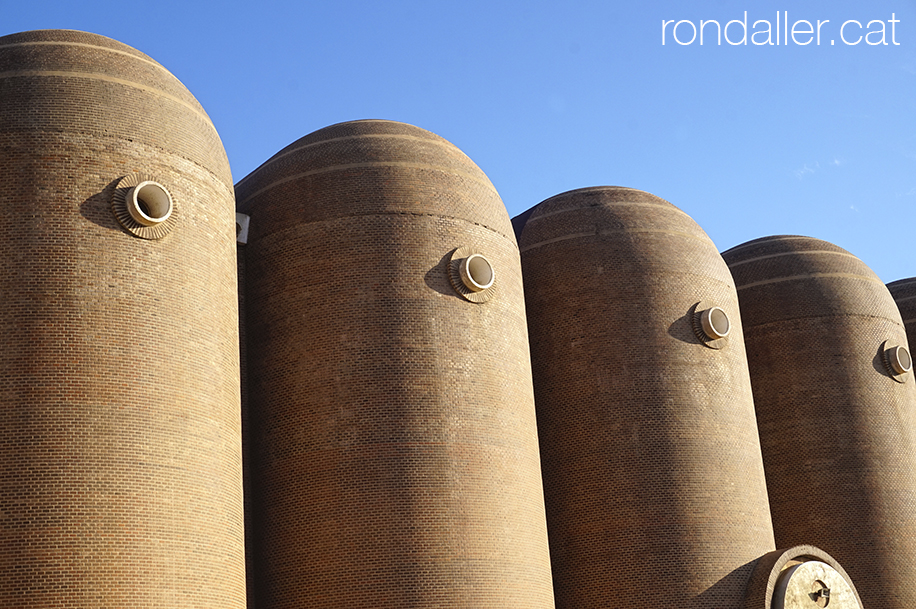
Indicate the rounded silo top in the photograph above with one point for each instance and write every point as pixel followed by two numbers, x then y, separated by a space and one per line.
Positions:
pixel 388 374
pixel 126 338
pixel 904 293
pixel 609 212
pixel 795 277
pixel 369 167
pixel 834 402
pixel 648 441
pixel 71 81
pixel 903 289
pixel 598 209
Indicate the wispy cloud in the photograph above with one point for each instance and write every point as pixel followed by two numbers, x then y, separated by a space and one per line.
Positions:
pixel 809 168
pixel 801 173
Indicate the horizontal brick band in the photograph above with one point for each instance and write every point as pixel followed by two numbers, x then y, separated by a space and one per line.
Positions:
pixel 780 254
pixel 807 276
pixel 87 46
pixel 907 299
pixel 543 215
pixel 347 166
pixel 629 231
pixel 103 78
pixel 286 153
pixel 757 242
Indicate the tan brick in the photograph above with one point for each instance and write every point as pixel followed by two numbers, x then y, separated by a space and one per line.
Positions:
pixel 120 461
pixel 393 427
pixel 837 429
pixel 652 473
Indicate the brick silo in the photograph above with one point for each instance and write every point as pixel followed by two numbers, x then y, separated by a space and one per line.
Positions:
pixel 393 424
pixel 653 478
pixel 120 467
pixel 835 409
pixel 904 294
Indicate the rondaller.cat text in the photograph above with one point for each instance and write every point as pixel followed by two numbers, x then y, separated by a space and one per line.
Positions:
pixel 781 31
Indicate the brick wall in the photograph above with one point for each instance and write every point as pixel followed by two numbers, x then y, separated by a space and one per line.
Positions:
pixel 390 441
pixel 904 294
pixel 393 426
pixel 652 472
pixel 120 462
pixel 837 429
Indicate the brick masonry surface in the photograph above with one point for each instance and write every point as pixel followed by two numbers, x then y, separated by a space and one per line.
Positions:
pixel 904 294
pixel 383 411
pixel 120 460
pixel 395 457
pixel 653 477
pixel 837 429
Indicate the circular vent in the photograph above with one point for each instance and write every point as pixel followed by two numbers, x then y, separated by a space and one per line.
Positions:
pixel 897 361
pixel 472 275
pixel 715 323
pixel 476 273
pixel 149 203
pixel 144 206
pixel 710 324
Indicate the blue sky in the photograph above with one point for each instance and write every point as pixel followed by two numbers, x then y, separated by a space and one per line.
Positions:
pixel 750 140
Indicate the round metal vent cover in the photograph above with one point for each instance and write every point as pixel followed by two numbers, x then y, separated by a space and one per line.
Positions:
pixel 472 275
pixel 144 206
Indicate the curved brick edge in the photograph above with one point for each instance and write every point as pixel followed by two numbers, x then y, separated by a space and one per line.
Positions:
pixel 119 208
pixel 454 276
pixel 762 582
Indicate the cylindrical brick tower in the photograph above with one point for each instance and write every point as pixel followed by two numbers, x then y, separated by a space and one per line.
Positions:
pixel 120 468
pixel 904 294
pixel 396 459
pixel 652 472
pixel 835 408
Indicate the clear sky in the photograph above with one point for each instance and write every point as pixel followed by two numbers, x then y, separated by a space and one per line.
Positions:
pixel 749 139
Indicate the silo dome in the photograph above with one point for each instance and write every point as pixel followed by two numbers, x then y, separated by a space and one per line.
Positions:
pixel 653 478
pixel 120 472
pixel 835 408
pixel 904 293
pixel 392 416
